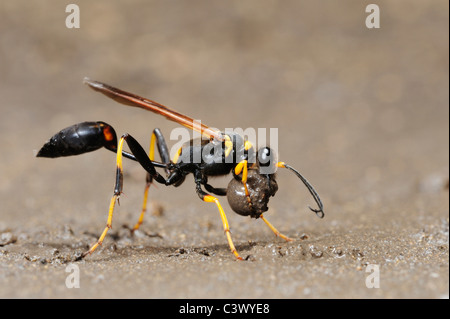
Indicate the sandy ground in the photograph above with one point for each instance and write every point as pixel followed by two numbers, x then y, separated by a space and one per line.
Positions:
pixel 363 114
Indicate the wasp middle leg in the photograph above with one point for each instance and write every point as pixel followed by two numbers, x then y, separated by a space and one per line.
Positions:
pixel 158 140
pixel 211 199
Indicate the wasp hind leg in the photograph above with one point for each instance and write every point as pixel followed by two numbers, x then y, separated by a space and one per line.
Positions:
pixel 117 191
pixel 140 155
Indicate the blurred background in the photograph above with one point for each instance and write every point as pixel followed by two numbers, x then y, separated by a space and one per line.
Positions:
pixel 362 113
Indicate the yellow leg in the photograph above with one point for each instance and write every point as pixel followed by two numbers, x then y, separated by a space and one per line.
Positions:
pixel 108 227
pixel 277 233
pixel 177 155
pixel 117 192
pixel 226 228
pixel 151 153
pixel 248 145
pixel 228 145
pixel 242 167
pixel 144 208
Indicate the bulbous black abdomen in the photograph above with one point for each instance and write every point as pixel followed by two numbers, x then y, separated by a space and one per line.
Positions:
pixel 78 139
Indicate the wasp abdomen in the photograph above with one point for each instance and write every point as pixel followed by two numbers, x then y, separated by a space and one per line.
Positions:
pixel 78 139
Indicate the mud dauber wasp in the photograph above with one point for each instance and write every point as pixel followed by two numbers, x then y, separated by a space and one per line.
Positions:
pixel 253 172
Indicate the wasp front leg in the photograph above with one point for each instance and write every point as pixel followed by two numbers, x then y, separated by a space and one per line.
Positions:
pixel 275 231
pixel 242 167
pixel 260 183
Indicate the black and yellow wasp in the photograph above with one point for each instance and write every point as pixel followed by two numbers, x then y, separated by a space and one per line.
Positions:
pixel 220 154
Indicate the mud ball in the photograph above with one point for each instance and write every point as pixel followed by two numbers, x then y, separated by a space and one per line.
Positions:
pixel 260 189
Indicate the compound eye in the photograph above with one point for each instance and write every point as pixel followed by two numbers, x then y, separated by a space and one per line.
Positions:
pixel 267 160
pixel 264 155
